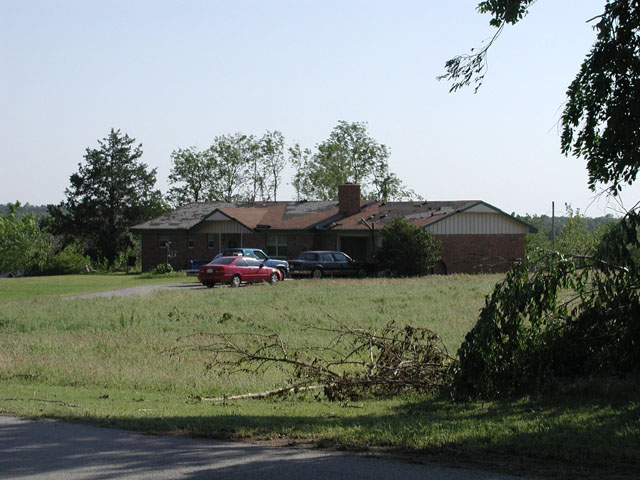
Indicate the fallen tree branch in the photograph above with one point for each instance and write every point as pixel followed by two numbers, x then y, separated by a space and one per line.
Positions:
pixel 270 393
pixel 354 363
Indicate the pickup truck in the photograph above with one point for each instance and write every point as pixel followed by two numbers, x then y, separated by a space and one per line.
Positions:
pixel 281 265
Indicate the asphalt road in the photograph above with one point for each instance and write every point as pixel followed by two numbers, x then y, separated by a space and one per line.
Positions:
pixel 53 450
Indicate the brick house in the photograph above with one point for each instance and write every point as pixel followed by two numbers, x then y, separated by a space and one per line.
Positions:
pixel 475 236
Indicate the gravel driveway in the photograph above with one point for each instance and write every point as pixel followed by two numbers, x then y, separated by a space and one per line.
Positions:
pixel 142 290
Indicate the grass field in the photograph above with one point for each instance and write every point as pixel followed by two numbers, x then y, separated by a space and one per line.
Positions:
pixel 108 361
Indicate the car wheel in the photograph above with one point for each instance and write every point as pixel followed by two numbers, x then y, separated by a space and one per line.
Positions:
pixel 316 273
pixel 210 284
pixel 235 281
pixel 362 273
pixel 283 272
pixel 273 279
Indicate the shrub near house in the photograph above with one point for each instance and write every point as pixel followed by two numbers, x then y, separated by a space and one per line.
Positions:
pixel 407 249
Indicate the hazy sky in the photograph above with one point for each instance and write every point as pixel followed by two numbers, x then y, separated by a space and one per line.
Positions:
pixel 177 74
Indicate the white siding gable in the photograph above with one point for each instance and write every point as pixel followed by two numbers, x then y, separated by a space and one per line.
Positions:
pixel 221 223
pixel 476 222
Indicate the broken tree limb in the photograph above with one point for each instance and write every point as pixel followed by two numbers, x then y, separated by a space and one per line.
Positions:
pixel 354 363
pixel 270 393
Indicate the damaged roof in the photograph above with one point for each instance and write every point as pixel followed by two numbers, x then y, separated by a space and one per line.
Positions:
pixel 259 215
pixel 311 215
pixel 417 213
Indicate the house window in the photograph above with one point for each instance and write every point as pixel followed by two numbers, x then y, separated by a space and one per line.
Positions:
pixel 277 246
pixel 211 240
pixel 163 240
pixel 190 242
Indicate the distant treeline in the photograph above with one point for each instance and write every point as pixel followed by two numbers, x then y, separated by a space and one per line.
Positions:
pixel 544 222
pixel 38 210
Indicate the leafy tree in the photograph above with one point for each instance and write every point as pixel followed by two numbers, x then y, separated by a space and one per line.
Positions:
pixel 601 119
pixel 300 158
pixel 273 160
pixel 349 155
pixel 525 336
pixel 407 249
pixel 527 339
pixel 192 176
pixel 24 246
pixel 236 168
pixel 111 191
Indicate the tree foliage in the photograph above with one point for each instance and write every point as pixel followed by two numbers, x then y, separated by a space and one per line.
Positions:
pixel 601 119
pixel 235 167
pixel 575 316
pixel 24 246
pixel 406 249
pixel 274 160
pixel 111 191
pixel 192 177
pixel 349 155
pixel 574 233
pixel 233 158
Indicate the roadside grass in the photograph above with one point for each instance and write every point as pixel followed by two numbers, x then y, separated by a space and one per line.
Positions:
pixel 33 287
pixel 108 361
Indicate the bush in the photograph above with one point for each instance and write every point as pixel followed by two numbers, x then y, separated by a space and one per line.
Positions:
pixel 162 269
pixel 406 249
pixel 68 261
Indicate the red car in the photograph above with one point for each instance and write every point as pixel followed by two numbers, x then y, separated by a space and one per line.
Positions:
pixel 235 270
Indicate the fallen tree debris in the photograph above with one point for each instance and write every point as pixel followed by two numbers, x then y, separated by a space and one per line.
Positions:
pixel 355 362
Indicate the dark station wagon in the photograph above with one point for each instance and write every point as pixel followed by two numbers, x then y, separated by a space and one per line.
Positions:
pixel 322 263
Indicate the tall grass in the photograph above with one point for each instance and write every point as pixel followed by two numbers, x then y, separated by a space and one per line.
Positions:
pixel 109 361
pixel 125 342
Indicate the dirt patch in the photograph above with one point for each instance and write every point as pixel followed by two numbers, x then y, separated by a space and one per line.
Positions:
pixel 140 290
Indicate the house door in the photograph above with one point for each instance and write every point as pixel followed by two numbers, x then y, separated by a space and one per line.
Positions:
pixel 355 247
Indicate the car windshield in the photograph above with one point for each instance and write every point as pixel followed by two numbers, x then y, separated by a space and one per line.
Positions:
pixel 222 261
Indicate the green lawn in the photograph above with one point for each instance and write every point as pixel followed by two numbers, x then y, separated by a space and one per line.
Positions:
pixel 109 361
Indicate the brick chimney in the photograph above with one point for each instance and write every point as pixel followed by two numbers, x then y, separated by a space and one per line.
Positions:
pixel 349 199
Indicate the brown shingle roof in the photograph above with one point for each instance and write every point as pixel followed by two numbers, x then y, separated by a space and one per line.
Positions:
pixel 417 213
pixel 274 215
pixel 306 215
